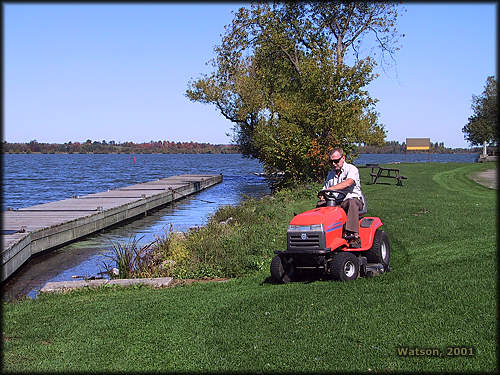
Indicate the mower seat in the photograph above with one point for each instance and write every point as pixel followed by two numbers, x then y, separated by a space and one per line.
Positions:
pixel 364 210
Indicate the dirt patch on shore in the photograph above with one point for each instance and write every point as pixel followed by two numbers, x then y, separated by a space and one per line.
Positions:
pixel 486 178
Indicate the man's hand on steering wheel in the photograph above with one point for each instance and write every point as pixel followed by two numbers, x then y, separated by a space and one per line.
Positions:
pixel 332 195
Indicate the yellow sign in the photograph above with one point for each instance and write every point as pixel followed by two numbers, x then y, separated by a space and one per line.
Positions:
pixel 418 143
pixel 417 148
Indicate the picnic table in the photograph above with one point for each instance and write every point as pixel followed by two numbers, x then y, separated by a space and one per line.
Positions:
pixel 382 172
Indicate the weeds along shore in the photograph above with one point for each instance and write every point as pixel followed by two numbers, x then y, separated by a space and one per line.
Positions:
pixel 236 241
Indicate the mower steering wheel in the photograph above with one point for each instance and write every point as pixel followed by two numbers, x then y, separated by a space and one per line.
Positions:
pixel 329 195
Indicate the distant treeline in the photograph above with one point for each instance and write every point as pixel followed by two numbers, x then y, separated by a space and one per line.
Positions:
pixel 394 147
pixel 168 147
pixel 111 147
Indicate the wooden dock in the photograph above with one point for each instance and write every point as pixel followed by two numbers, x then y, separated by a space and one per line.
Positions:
pixel 31 230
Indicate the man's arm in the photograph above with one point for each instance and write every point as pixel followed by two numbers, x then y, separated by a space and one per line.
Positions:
pixel 342 185
pixel 351 178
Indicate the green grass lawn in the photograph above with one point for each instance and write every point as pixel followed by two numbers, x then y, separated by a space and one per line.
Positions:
pixel 441 293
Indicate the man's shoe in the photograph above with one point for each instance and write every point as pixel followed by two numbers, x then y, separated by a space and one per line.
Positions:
pixel 355 243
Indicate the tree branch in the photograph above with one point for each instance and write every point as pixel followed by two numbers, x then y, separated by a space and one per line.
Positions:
pixel 229 117
pixel 294 63
pixel 365 27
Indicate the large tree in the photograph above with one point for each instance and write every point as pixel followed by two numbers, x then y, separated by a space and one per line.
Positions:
pixel 282 76
pixel 482 127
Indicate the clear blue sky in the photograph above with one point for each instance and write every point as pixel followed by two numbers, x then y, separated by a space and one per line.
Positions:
pixel 119 72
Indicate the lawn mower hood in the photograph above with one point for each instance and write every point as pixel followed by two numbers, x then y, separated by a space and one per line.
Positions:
pixel 327 216
pixel 321 228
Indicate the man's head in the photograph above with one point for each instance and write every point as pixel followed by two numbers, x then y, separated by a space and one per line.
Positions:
pixel 337 158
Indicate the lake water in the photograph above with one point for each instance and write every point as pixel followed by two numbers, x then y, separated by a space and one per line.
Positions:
pixel 39 178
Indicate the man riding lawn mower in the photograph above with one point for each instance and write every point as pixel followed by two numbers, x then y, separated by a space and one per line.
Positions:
pixel 315 241
pixel 333 238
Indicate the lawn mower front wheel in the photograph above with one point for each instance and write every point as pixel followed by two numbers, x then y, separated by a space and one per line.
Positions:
pixel 344 266
pixel 281 270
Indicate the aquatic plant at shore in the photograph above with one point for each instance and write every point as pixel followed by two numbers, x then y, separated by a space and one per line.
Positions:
pixel 130 259
pixel 233 243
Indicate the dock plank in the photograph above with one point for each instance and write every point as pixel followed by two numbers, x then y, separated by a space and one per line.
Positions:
pixel 42 227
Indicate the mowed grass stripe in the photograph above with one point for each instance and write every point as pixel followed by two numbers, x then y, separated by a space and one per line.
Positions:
pixel 441 292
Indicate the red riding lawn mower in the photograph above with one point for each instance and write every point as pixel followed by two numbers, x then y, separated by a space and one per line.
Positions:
pixel 316 242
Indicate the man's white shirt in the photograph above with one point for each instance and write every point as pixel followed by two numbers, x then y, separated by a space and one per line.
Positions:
pixel 347 171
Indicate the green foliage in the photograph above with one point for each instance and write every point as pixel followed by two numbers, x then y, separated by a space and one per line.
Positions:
pixel 281 76
pixel 234 242
pixel 483 124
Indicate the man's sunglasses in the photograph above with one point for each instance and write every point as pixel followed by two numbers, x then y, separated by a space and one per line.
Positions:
pixel 336 161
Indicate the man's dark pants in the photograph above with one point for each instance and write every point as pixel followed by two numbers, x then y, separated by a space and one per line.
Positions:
pixel 352 207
